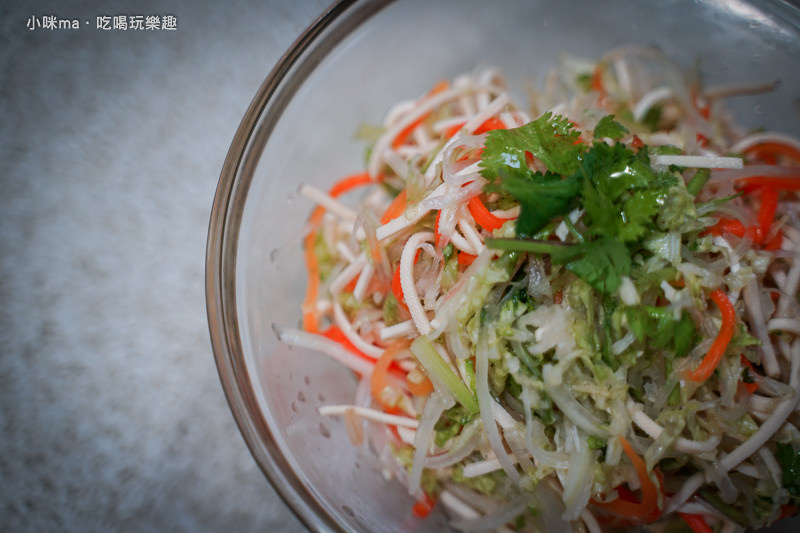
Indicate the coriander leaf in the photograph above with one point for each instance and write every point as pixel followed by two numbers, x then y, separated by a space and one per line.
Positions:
pixel 602 264
pixel 608 127
pixel 661 329
pixel 637 321
pixel 541 197
pixel 789 459
pixel 616 192
pixel 684 335
pixel 637 214
pixel 614 169
pixel 552 139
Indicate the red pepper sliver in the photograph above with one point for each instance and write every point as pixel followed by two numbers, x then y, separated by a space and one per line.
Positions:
pixel 645 511
pixel 750 387
pixel 781 184
pixel 774 243
pixel 766 212
pixel 397 288
pixel 597 80
pixel 696 522
pixel 728 225
pixel 452 130
pixel 465 259
pixel 483 216
pixel 379 378
pixel 720 344
pixel 406 132
pixel 396 208
pixel 423 507
pixel 337 335
pixel 437 235
pixel 423 388
pixel 490 124
pixel 769 151
pixel 788 510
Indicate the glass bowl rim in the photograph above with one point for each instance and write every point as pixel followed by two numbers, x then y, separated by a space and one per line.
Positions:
pixel 266 107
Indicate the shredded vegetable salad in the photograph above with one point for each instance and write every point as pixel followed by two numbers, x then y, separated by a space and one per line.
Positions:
pixel 578 317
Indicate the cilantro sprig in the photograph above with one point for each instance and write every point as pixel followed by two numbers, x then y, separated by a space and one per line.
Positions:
pixel 601 262
pixel 619 192
pixel 550 138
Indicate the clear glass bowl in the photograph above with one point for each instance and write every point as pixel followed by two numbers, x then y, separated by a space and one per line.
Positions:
pixel 346 70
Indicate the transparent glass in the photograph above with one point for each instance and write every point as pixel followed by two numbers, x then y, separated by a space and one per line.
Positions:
pixel 346 70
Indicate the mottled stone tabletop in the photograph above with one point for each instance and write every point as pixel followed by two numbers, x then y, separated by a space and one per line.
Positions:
pixel 112 416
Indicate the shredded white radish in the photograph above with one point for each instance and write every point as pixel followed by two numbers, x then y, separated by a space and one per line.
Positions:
pixel 324 345
pixel 486 113
pixel 456 505
pixel 436 404
pixel 412 215
pixel 487 416
pixel 654 430
pixel 462 244
pixel 699 161
pixel 352 335
pixel 789 325
pixel 348 274
pixel 497 517
pixel 370 414
pixel 328 202
pixel 363 281
pixel 345 251
pixel 778 417
pixel 592 526
pixel 471 234
pixel 649 100
pixel 470 170
pixel 373 166
pixel 757 321
pixel 479 468
pixel 407 282
pixel 628 293
pixel 399 330
pixel 737 89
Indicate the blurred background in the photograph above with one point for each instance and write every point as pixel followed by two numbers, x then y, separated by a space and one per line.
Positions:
pixel 112 417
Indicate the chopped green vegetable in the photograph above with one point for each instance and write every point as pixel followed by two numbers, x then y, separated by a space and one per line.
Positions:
pixel 608 127
pixel 698 180
pixel 435 366
pixel 658 326
pixel 789 459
